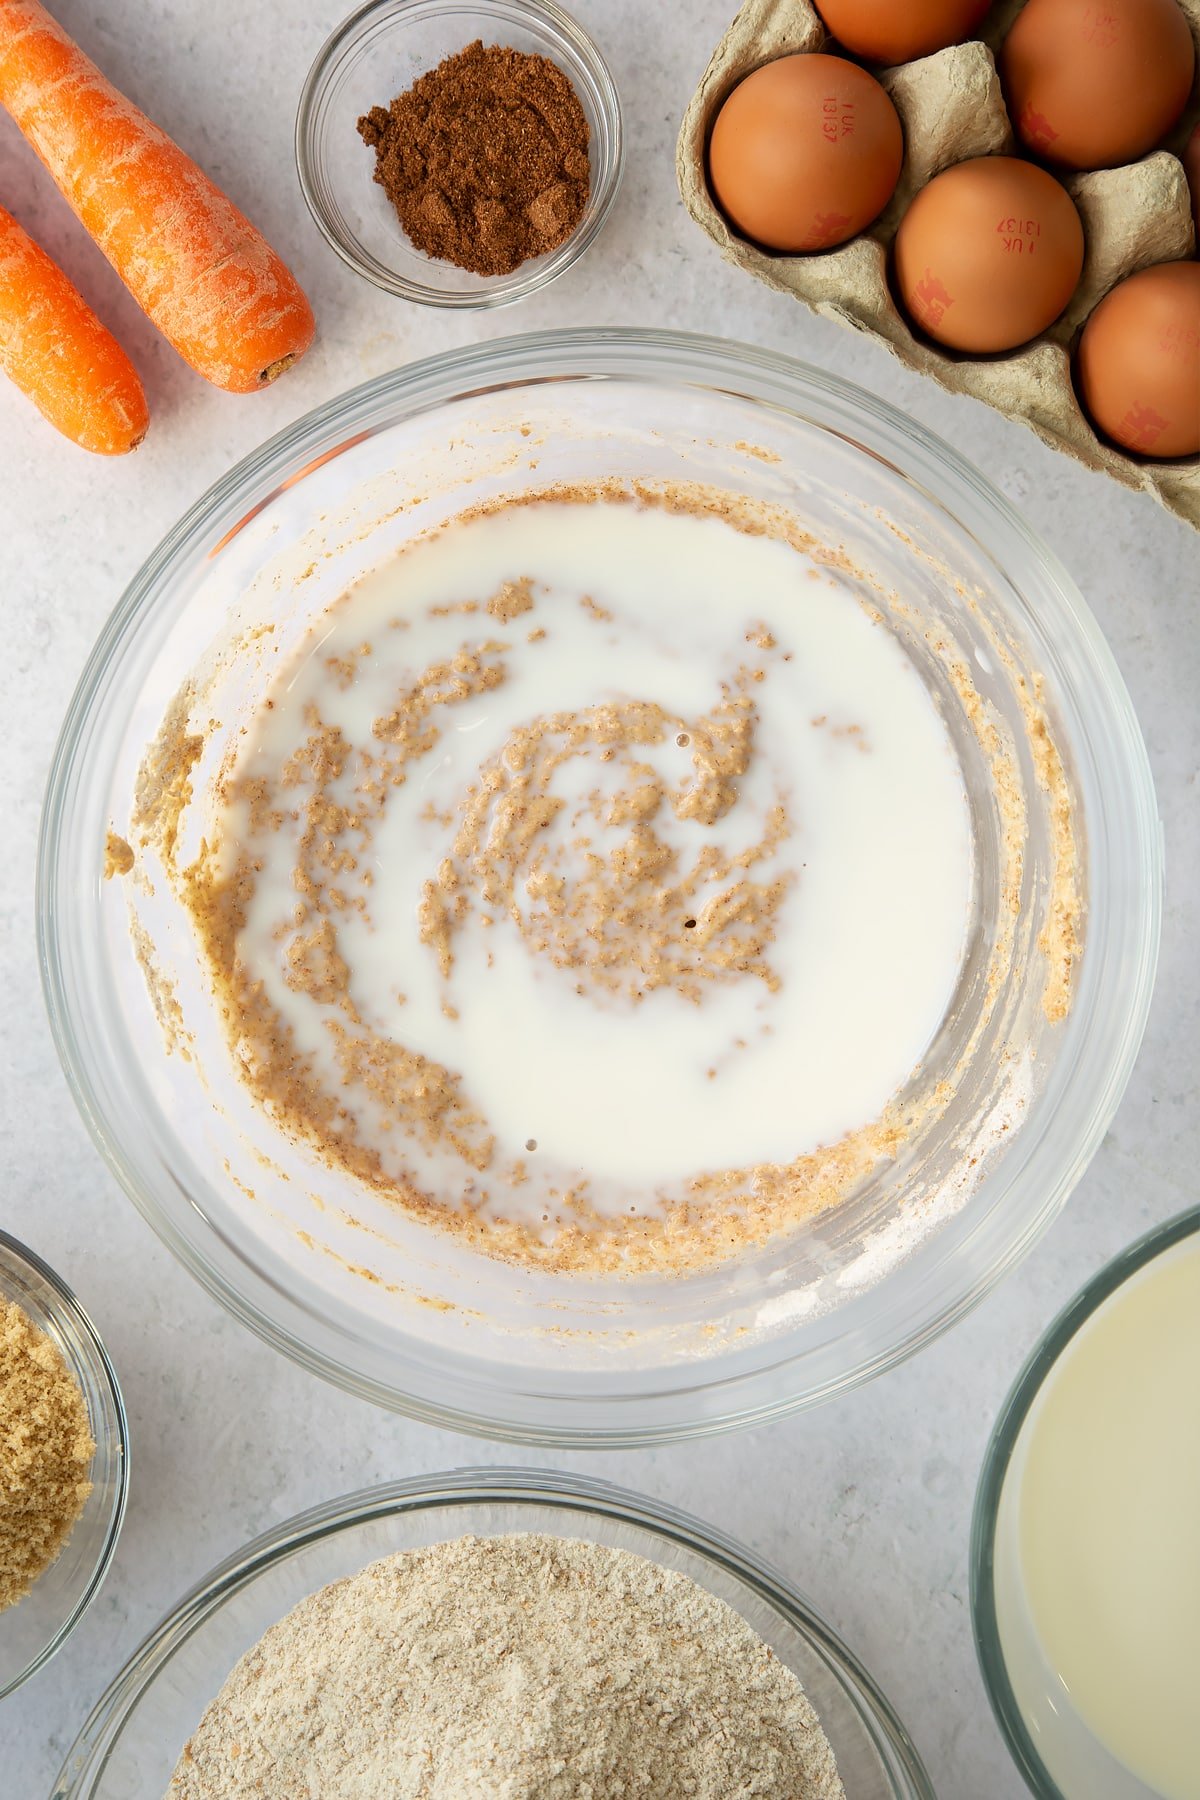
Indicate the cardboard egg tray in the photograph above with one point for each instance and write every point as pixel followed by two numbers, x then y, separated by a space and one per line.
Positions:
pixel 952 108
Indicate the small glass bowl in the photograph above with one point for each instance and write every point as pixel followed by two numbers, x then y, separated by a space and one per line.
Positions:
pixel 378 52
pixel 1060 1732
pixel 134 1736
pixel 39 1624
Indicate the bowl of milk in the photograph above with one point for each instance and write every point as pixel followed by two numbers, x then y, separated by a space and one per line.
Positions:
pixel 1085 1567
pixel 600 887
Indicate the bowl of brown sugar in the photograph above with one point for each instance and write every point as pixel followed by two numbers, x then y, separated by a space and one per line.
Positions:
pixel 63 1462
pixel 459 155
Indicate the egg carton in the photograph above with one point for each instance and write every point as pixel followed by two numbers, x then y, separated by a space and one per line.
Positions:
pixel 952 108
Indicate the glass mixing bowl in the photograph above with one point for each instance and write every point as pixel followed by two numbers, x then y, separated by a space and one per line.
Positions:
pixel 362 1293
pixel 129 1746
pixel 38 1625
pixel 1051 1743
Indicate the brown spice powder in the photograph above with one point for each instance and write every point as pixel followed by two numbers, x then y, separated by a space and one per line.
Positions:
pixel 45 1450
pixel 485 158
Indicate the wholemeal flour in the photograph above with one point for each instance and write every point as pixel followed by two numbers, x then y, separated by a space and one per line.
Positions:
pixel 510 1668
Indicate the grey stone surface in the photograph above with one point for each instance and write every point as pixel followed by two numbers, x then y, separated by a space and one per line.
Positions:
pixel 866 1502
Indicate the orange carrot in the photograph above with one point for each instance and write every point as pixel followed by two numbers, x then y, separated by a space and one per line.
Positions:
pixel 57 351
pixel 210 282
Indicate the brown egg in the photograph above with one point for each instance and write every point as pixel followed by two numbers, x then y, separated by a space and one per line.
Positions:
pixel 805 153
pixel 896 31
pixel 1089 86
pixel 988 254
pixel 1137 368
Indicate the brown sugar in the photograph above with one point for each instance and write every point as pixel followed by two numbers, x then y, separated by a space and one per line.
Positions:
pixel 45 1451
pixel 118 856
pixel 631 920
pixel 485 158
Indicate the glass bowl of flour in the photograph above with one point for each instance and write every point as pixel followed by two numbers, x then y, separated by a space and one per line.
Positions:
pixel 130 1745
pixel 601 887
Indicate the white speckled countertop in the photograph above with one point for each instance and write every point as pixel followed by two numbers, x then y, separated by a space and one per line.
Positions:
pixel 866 1502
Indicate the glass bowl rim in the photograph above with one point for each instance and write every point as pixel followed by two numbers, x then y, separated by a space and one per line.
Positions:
pixel 556 1488
pixel 573 41
pixel 879 430
pixel 1037 1366
pixel 114 1452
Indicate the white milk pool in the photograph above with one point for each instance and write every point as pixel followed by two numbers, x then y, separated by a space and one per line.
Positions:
pixel 596 857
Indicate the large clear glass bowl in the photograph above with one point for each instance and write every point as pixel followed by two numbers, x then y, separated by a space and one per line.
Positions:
pixel 360 1292
pixel 1032 1705
pixel 37 1626
pixel 129 1746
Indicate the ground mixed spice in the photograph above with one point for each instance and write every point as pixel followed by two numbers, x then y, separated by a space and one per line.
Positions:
pixel 485 158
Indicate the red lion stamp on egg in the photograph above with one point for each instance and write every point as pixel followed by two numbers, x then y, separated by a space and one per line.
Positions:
pixel 1036 129
pixel 829 228
pixel 930 299
pixel 1141 427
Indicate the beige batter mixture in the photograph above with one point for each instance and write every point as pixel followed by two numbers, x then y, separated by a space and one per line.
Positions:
pixel 569 833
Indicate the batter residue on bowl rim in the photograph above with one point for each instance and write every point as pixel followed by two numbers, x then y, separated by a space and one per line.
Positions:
pixel 596 877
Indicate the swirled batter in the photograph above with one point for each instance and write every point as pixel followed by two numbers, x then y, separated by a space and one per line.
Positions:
pixel 593 882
